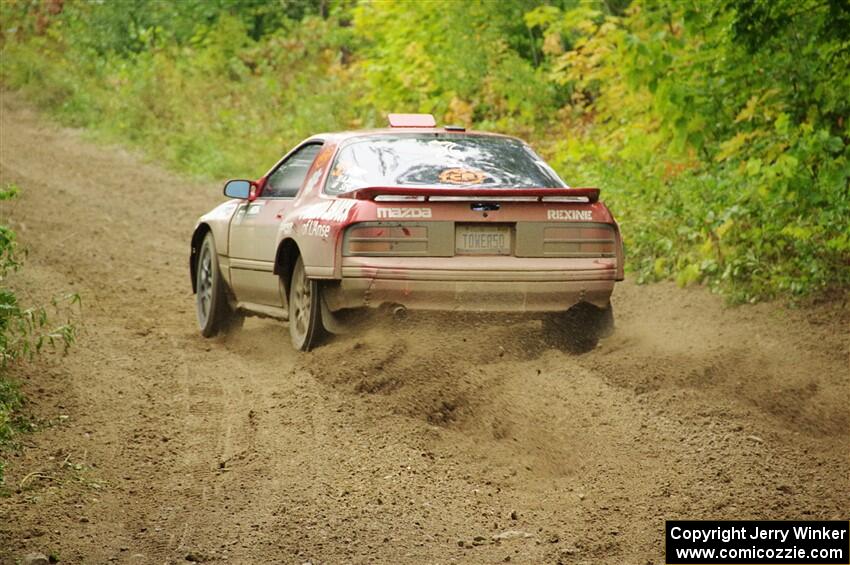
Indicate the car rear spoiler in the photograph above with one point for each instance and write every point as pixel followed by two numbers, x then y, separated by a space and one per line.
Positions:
pixel 443 193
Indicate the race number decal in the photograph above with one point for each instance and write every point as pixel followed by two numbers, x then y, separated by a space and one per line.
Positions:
pixel 462 176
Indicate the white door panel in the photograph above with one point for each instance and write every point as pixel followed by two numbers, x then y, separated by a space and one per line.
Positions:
pixel 253 235
pixel 254 228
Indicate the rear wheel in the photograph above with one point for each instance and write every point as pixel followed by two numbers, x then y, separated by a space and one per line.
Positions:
pixel 579 329
pixel 214 313
pixel 305 313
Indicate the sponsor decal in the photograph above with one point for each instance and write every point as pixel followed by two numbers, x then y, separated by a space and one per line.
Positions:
pixel 581 215
pixel 396 213
pixel 336 211
pixel 333 211
pixel 316 218
pixel 286 228
pixel 313 180
pixel 313 228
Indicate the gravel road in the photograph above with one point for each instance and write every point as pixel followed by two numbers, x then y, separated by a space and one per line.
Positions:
pixel 416 443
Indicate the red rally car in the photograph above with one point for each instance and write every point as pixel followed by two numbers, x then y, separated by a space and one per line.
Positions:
pixel 412 217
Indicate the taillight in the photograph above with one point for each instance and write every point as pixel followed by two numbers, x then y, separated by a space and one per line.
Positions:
pixel 446 239
pixel 391 240
pixel 578 241
pixel 565 239
pixel 401 239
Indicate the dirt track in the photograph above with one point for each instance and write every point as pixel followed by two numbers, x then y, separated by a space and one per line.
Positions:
pixel 403 445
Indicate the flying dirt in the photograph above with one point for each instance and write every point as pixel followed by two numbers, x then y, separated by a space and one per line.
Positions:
pixel 462 441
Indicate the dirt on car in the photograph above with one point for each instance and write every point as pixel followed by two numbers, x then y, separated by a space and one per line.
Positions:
pixel 461 440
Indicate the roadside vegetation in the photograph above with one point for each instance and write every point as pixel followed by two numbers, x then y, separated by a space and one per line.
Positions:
pixel 25 331
pixel 719 130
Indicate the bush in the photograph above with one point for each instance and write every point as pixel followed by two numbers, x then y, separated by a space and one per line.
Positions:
pixel 24 333
pixel 719 131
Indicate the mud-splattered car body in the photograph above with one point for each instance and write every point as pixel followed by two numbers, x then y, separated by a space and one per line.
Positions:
pixel 454 245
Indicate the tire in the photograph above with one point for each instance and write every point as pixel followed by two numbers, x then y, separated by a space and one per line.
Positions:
pixel 305 312
pixel 579 329
pixel 211 306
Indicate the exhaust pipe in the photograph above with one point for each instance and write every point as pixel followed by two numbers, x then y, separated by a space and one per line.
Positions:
pixel 400 313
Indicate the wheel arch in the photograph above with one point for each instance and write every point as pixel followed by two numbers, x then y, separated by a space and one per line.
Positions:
pixel 198 236
pixel 284 262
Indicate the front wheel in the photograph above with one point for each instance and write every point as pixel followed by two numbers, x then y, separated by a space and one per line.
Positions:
pixel 305 312
pixel 214 313
pixel 579 329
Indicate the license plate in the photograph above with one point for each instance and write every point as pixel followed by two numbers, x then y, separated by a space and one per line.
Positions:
pixel 482 239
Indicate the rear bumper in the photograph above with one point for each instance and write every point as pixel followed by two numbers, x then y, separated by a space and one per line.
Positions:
pixel 509 285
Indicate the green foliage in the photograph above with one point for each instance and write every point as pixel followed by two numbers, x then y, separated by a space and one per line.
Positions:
pixel 211 102
pixel 458 60
pixel 11 419
pixel 24 332
pixel 718 129
pixel 726 155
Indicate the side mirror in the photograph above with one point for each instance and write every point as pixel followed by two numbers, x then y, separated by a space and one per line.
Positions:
pixel 238 189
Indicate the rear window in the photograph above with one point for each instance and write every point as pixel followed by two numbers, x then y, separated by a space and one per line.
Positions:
pixel 439 160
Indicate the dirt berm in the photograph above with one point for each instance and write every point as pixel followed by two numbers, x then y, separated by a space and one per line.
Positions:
pixel 408 444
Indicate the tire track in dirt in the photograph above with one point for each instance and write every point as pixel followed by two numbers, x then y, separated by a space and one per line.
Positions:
pixel 403 444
